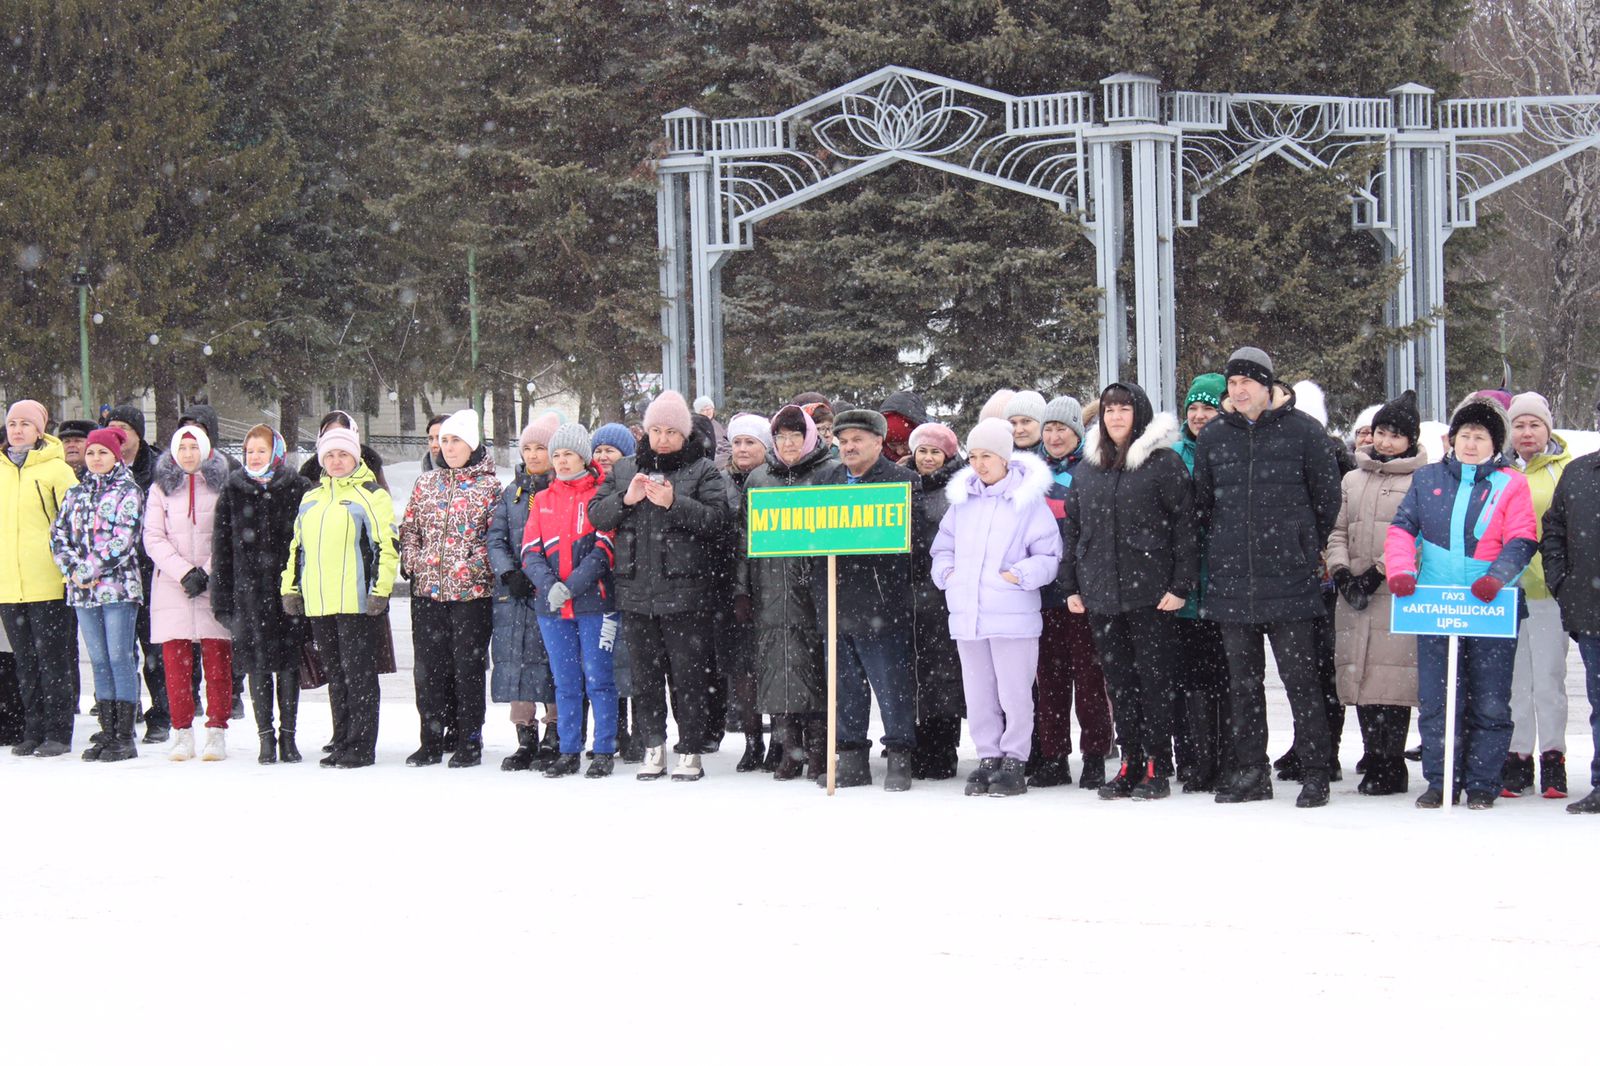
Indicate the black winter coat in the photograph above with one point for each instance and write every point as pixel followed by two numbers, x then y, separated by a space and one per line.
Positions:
pixel 254 524
pixel 789 640
pixel 874 590
pixel 1128 536
pixel 1268 495
pixel 938 663
pixel 1571 545
pixel 520 669
pixel 667 560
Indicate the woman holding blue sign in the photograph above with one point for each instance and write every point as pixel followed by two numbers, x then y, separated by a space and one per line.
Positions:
pixel 1467 520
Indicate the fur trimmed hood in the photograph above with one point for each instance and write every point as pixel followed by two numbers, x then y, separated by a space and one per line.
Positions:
pixel 213 468
pixel 1026 483
pixel 1162 432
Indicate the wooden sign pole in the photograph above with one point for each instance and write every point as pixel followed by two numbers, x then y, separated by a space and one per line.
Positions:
pixel 833 668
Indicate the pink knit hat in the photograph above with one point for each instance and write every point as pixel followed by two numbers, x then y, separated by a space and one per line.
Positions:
pixel 935 435
pixel 338 438
pixel 669 411
pixel 30 411
pixel 540 430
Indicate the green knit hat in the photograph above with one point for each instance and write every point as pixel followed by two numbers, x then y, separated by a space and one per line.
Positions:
pixel 1206 389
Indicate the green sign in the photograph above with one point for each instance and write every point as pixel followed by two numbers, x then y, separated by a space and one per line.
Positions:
pixel 829 520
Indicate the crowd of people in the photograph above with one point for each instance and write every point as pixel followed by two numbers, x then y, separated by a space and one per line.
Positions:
pixel 1103 560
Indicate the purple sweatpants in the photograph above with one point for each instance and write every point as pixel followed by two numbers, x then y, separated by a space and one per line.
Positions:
pixel 997 677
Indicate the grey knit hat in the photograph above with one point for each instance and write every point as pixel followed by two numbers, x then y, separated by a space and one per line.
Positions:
pixel 1027 403
pixel 1067 411
pixel 572 437
pixel 1252 363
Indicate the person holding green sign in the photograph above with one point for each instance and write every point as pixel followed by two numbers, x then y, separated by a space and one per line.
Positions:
pixel 875 620
pixel 997 546
pixel 1467 520
pixel 791 685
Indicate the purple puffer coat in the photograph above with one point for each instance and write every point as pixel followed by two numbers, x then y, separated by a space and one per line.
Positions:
pixel 989 529
pixel 177 537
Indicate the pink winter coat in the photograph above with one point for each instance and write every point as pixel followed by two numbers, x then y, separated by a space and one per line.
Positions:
pixel 991 528
pixel 177 537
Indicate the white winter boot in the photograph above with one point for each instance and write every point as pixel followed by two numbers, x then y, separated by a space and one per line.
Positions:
pixel 216 745
pixel 182 745
pixel 655 764
pixel 688 769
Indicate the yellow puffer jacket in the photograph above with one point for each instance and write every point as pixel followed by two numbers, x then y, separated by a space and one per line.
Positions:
pixel 1543 472
pixel 30 496
pixel 343 547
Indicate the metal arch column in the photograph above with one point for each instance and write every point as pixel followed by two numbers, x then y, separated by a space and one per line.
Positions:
pixel 672 231
pixel 1107 235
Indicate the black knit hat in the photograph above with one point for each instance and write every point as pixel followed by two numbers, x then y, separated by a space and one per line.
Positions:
pixel 128 415
pixel 1401 415
pixel 1252 363
pixel 1480 410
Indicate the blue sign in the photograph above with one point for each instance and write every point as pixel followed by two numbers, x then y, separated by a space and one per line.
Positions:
pixel 1453 611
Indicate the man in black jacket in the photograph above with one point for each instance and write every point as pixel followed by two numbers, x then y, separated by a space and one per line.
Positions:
pixel 876 654
pixel 1267 489
pixel 1571 550
pixel 667 506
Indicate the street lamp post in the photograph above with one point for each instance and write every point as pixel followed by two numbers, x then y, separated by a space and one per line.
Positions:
pixel 80 278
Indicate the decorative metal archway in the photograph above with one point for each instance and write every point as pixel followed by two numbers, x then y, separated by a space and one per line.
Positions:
pixel 1165 151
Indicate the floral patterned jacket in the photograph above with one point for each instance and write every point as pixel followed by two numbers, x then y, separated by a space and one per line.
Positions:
pixel 444 535
pixel 95 539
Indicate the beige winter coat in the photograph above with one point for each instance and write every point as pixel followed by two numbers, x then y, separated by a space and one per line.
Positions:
pixel 1374 665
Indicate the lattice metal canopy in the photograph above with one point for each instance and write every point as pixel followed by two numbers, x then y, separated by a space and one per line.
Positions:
pixel 1132 165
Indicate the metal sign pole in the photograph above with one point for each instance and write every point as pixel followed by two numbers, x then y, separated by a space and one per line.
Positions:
pixel 833 667
pixel 1450 722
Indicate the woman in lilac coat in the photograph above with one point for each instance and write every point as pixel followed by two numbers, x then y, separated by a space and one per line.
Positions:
pixel 998 544
pixel 178 522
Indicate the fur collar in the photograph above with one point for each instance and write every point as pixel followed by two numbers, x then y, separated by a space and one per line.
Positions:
pixel 169 475
pixel 1026 490
pixel 1282 396
pixel 1162 432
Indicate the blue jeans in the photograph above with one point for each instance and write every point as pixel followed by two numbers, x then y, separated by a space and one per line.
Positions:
pixel 111 634
pixel 581 651
pixel 1483 709
pixel 886 663
pixel 1589 648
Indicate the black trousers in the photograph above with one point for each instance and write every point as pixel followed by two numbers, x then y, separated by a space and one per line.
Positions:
pixel 1294 646
pixel 671 650
pixel 153 664
pixel 12 716
pixel 43 640
pixel 1200 712
pixel 1136 656
pixel 450 640
pixel 1328 676
pixel 287 685
pixel 348 644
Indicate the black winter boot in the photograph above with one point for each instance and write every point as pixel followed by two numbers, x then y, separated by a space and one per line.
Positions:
pixel 937 740
pixel 1246 786
pixel 119 723
pixel 527 750
pixel 103 713
pixel 1313 790
pixel 978 780
pixel 564 765
pixel 1094 772
pixel 1154 786
pixel 427 755
pixel 853 769
pixel 1590 804
pixel 1516 775
pixel 549 747
pixel 788 740
pixel 1051 773
pixel 288 718
pixel 1010 779
pixel 269 739
pixel 1121 786
pixel 1288 765
pixel 755 750
pixel 599 766
pixel 1553 775
pixel 898 776
pixel 469 749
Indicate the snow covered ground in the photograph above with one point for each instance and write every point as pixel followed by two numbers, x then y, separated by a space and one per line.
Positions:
pixel 235 913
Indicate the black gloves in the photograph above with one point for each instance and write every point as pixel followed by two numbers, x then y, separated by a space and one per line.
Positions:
pixel 1357 591
pixel 518 584
pixel 1371 581
pixel 194 582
